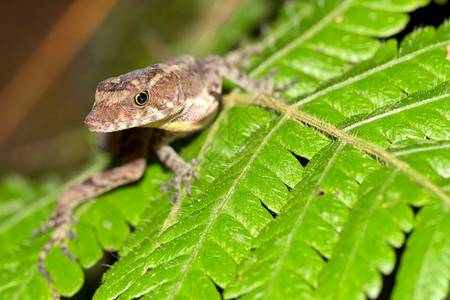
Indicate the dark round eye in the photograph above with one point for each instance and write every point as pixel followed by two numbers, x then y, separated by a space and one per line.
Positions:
pixel 141 98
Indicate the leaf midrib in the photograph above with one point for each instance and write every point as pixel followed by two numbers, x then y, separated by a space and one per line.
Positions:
pixel 427 252
pixel 291 112
pixel 216 211
pixel 173 214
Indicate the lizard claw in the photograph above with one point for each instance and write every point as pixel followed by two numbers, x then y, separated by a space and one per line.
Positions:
pixel 65 250
pixel 49 225
pixel 264 85
pixel 271 73
pixel 283 87
pixel 290 84
pixel 182 175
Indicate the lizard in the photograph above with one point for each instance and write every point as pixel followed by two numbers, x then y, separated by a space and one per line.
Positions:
pixel 150 107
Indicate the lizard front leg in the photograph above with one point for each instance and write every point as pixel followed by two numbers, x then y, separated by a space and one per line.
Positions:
pixel 182 171
pixel 90 188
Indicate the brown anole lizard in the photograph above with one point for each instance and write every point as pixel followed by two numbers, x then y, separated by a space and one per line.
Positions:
pixel 151 107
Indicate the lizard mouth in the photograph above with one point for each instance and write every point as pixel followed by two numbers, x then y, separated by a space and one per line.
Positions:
pixel 96 126
pixel 92 123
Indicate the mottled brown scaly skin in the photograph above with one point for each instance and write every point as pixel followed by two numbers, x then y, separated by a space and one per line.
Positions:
pixel 183 97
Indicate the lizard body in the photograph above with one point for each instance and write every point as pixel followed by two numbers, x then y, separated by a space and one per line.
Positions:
pixel 151 107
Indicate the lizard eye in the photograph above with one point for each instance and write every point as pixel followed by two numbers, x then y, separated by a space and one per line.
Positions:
pixel 141 98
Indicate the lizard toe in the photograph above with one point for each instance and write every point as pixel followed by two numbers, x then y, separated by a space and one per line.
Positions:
pixel 194 162
pixel 191 172
pixel 271 73
pixel 187 183
pixel 175 183
pixel 47 226
pixel 65 250
pixel 74 219
pixel 184 175
pixel 283 87
pixel 72 235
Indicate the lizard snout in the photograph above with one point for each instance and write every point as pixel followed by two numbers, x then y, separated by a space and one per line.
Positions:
pixel 92 123
pixel 98 124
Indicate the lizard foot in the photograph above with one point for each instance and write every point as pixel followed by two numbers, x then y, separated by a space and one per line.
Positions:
pixel 284 87
pixel 266 86
pixel 182 174
pixel 60 236
pixel 270 88
pixel 241 56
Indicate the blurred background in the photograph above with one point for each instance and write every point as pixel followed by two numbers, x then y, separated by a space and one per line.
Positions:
pixel 54 53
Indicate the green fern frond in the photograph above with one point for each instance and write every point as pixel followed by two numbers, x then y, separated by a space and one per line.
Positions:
pixel 318 41
pixel 425 266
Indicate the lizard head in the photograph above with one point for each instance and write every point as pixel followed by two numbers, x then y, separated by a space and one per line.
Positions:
pixel 147 97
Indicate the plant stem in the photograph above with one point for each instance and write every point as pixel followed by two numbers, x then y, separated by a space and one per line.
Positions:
pixel 381 154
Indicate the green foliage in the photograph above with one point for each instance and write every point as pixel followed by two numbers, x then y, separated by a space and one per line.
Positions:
pixel 425 264
pixel 381 150
pixel 24 206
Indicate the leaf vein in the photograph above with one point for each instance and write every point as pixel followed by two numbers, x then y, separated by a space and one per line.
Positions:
pixel 370 72
pixel 300 219
pixel 362 228
pixel 394 111
pixel 431 148
pixel 426 253
pixel 303 37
